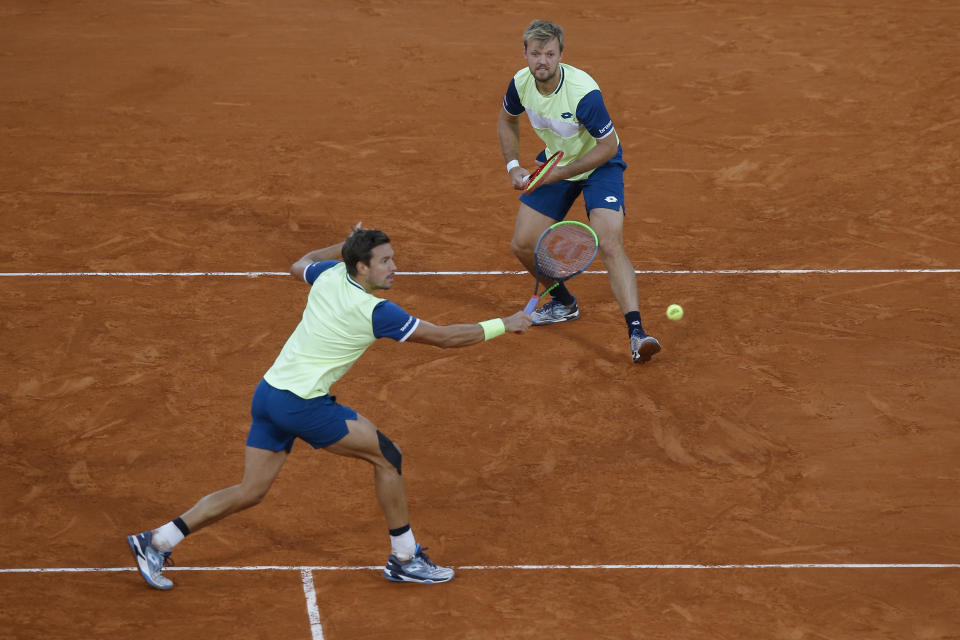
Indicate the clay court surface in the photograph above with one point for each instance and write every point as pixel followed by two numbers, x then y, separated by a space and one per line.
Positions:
pixel 791 419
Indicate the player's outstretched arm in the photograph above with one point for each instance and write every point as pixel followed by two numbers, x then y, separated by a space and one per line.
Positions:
pixel 462 335
pixel 318 255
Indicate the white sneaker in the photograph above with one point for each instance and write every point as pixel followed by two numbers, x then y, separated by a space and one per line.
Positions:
pixel 554 312
pixel 416 569
pixel 150 561
pixel 643 347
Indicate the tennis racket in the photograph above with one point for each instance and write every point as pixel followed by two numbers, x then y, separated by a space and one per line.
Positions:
pixel 536 178
pixel 563 250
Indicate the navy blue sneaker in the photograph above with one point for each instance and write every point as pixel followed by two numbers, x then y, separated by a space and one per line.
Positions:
pixel 150 561
pixel 416 569
pixel 643 346
pixel 554 312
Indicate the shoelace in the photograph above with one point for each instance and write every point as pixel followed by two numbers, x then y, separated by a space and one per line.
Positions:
pixel 424 557
pixel 168 559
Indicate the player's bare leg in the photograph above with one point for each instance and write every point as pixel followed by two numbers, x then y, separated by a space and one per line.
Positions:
pixel 407 561
pixel 152 548
pixel 608 225
pixel 362 442
pixel 528 228
pixel 260 469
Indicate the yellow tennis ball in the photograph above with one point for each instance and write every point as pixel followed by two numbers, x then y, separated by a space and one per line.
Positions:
pixel 674 312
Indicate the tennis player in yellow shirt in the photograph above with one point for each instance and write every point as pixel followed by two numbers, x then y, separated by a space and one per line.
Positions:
pixel 341 320
pixel 567 112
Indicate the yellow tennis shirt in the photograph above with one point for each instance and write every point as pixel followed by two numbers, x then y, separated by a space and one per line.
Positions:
pixel 341 320
pixel 571 119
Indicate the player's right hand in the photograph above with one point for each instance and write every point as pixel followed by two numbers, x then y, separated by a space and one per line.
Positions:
pixel 519 177
pixel 518 322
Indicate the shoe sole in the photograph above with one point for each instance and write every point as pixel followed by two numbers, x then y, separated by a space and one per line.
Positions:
pixel 402 578
pixel 648 349
pixel 549 322
pixel 137 553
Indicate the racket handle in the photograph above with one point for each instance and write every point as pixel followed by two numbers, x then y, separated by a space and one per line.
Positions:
pixel 531 305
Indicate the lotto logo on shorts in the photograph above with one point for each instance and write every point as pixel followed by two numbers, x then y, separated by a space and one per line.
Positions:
pixel 611 198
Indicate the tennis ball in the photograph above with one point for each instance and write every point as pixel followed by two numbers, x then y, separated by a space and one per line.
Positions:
pixel 674 312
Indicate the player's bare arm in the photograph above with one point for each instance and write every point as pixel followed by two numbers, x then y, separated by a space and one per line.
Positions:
pixel 508 130
pixel 462 335
pixel 606 148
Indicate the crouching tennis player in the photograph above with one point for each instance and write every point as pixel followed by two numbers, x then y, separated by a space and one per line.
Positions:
pixel 341 320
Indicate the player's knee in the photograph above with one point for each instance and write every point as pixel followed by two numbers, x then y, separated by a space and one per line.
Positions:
pixel 391 452
pixel 252 496
pixel 521 247
pixel 610 247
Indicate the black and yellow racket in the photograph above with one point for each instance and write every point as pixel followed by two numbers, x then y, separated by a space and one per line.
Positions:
pixel 564 250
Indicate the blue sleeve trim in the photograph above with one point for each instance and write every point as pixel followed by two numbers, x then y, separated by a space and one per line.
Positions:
pixel 592 113
pixel 511 101
pixel 392 321
pixel 311 273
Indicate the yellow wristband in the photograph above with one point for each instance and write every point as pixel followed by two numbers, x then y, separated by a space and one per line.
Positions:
pixel 492 328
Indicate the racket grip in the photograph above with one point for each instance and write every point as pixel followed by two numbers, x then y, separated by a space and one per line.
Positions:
pixel 531 305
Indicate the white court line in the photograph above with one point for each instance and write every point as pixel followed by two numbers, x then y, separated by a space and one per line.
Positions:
pixel 316 629
pixel 519 567
pixel 257 274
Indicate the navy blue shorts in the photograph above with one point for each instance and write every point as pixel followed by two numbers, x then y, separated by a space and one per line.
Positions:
pixel 602 190
pixel 279 417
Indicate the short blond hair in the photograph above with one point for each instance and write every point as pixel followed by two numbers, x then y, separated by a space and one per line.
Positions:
pixel 543 31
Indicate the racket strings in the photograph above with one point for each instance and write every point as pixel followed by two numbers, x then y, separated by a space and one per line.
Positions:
pixel 565 251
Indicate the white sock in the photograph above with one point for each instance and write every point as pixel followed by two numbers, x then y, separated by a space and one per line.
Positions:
pixel 403 545
pixel 167 537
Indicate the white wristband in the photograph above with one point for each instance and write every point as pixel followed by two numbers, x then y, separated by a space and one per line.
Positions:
pixel 513 164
